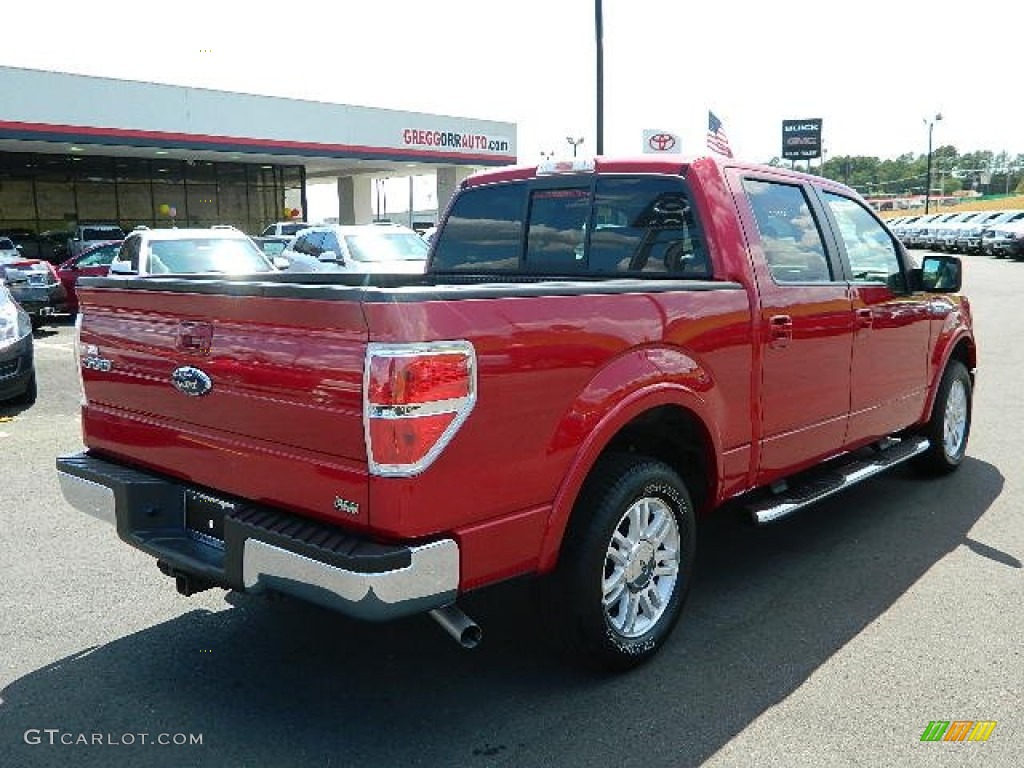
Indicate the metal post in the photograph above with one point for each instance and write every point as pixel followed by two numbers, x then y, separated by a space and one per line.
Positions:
pixel 599 31
pixel 928 183
pixel 410 202
pixel 928 186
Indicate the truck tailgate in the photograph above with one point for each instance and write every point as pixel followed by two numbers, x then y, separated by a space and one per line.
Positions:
pixel 268 393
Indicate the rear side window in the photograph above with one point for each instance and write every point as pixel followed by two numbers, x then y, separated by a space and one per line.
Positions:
pixel 790 236
pixel 483 231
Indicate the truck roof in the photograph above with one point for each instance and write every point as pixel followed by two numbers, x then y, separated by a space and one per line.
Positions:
pixel 676 164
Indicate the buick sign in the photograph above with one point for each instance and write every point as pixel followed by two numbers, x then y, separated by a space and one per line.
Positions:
pixel 191 381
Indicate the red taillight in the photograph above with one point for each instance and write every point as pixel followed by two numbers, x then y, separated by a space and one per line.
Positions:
pixel 403 442
pixel 412 380
pixel 416 397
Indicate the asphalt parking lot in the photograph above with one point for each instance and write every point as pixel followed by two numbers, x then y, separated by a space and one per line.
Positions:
pixel 830 639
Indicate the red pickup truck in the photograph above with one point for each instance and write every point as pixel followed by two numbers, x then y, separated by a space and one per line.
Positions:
pixel 598 353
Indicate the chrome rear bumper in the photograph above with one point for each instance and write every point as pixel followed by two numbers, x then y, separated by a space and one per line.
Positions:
pixel 263 549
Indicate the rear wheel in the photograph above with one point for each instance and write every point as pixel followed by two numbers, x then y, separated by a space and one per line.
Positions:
pixel 28 397
pixel 950 422
pixel 626 563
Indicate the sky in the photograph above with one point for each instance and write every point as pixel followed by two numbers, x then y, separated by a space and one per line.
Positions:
pixel 874 71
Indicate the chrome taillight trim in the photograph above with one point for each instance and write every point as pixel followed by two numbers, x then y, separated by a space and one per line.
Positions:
pixel 461 407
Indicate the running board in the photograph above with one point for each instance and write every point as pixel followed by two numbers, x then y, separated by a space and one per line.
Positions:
pixel 835 480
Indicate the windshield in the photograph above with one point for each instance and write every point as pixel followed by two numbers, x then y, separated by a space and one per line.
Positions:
pixel 385 246
pixel 206 254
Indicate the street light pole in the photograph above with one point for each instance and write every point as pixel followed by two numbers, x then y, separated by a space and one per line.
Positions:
pixel 928 185
pixel 575 143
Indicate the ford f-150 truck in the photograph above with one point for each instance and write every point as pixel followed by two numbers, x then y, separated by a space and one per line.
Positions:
pixel 599 352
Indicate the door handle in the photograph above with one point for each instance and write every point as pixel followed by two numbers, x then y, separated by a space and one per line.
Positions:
pixel 865 318
pixel 781 330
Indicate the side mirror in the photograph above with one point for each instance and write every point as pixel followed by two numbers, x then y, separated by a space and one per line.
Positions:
pixel 20 248
pixel 330 256
pixel 281 262
pixel 122 268
pixel 941 274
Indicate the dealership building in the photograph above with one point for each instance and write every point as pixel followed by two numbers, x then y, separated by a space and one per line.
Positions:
pixel 76 148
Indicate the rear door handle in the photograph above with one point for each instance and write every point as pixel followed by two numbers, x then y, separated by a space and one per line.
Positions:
pixel 865 318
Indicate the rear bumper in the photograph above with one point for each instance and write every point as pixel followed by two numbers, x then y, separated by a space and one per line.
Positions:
pixel 41 301
pixel 263 548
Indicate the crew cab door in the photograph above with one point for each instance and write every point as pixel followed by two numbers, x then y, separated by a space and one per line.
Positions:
pixel 889 371
pixel 805 325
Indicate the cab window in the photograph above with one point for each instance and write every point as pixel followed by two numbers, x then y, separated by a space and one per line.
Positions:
pixel 483 231
pixel 646 225
pixel 870 250
pixel 790 235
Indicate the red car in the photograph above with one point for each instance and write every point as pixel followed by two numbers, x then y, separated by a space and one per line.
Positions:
pixel 92 262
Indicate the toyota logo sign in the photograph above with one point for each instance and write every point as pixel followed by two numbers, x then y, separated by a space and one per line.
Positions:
pixel 662 142
pixel 659 142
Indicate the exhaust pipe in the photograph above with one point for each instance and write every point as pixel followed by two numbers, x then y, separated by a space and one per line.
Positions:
pixel 457 624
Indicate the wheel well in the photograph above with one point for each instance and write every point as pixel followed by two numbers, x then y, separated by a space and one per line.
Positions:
pixel 678 438
pixel 965 352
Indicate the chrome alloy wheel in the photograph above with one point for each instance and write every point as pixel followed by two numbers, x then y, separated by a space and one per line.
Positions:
pixel 954 422
pixel 641 566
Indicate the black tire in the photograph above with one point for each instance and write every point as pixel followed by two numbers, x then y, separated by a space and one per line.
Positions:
pixel 948 441
pixel 605 638
pixel 28 397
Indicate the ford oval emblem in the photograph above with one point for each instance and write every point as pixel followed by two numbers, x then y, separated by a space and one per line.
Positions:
pixel 191 381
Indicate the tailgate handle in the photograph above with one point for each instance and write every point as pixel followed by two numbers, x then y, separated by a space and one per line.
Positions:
pixel 195 337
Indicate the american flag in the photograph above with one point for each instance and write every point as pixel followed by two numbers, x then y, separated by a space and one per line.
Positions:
pixel 717 141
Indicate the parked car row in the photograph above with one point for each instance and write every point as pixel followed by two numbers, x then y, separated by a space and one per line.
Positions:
pixel 43 289
pixel 56 246
pixel 996 233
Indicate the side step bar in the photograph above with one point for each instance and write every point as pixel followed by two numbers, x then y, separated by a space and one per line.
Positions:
pixel 833 481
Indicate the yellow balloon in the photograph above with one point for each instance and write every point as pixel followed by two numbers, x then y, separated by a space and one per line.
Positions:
pixel 165 209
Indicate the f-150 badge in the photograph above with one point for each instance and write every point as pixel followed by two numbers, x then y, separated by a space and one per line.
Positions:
pixel 191 381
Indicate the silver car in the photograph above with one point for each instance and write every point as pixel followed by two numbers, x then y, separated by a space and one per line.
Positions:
pixel 358 249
